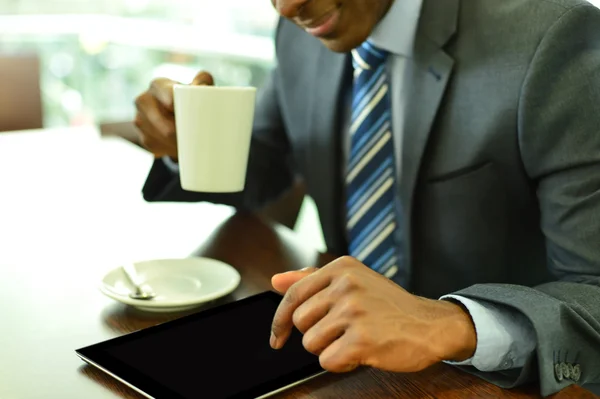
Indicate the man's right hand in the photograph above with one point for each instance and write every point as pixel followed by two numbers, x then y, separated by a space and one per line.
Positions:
pixel 155 116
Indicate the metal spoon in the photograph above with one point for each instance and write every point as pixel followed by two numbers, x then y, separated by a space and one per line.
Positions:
pixel 142 291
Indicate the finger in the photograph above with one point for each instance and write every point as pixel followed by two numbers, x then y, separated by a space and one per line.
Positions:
pixel 152 139
pixel 149 128
pixel 147 140
pixel 152 147
pixel 340 357
pixel 161 120
pixel 146 130
pixel 295 296
pixel 313 310
pixel 283 281
pixel 162 90
pixel 323 334
pixel 203 78
pixel 152 108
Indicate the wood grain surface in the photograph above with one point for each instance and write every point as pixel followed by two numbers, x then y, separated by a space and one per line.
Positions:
pixel 258 250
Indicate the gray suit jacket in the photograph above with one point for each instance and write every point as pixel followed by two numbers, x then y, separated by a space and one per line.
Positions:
pixel 500 182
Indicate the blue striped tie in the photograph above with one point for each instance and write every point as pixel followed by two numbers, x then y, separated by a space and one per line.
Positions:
pixel 371 181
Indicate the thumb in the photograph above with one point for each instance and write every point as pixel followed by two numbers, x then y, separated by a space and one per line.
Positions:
pixel 283 281
pixel 162 90
pixel 203 79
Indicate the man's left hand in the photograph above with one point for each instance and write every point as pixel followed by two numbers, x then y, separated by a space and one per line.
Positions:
pixel 352 316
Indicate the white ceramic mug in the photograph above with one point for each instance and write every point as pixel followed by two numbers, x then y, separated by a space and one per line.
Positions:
pixel 214 128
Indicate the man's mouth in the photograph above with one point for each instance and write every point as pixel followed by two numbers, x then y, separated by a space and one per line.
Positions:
pixel 323 25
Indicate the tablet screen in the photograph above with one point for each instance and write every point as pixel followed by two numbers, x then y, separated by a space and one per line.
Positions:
pixel 220 353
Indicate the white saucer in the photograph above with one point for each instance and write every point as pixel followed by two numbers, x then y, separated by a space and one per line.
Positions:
pixel 179 284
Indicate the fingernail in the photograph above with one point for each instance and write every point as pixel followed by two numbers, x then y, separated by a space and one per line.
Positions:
pixel 273 341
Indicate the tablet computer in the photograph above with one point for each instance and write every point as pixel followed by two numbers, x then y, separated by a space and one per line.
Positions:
pixel 220 353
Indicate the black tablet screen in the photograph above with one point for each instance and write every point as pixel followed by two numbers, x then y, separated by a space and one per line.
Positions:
pixel 222 353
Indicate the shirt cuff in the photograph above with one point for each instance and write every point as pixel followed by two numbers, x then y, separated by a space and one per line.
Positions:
pixel 505 337
pixel 170 164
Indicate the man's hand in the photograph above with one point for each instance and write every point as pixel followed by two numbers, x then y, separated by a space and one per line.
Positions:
pixel 352 316
pixel 155 116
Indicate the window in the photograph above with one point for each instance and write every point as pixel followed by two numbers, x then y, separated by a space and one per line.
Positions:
pixel 97 56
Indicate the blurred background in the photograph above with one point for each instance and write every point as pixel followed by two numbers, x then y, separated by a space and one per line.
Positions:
pixel 97 56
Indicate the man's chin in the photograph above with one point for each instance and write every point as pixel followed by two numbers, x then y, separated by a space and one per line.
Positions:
pixel 340 45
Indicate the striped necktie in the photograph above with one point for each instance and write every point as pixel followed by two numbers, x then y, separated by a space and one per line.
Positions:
pixel 371 181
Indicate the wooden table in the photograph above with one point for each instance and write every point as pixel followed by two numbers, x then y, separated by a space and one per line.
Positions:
pixel 71 209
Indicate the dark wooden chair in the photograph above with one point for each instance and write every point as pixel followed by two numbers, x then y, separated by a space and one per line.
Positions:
pixel 125 130
pixel 20 95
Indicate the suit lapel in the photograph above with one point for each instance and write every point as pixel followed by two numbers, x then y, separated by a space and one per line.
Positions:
pixel 331 71
pixel 426 78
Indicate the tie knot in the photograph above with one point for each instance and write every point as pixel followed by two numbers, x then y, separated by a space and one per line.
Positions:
pixel 367 56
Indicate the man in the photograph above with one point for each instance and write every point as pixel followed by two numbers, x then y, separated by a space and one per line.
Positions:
pixel 451 147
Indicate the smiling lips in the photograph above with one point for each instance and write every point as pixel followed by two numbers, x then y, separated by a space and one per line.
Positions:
pixel 324 25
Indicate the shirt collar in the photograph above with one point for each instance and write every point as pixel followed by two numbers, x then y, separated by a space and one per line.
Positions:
pixel 396 32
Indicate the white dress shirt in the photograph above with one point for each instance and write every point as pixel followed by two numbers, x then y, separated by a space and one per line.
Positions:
pixel 505 337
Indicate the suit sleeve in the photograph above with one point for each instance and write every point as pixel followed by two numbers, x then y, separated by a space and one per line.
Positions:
pixel 270 167
pixel 559 137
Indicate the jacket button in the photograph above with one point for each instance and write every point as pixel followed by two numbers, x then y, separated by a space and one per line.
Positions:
pixel 571 370
pixel 576 375
pixel 558 372
pixel 565 370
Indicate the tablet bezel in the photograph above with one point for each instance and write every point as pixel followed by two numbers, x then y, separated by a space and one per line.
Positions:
pixel 96 356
